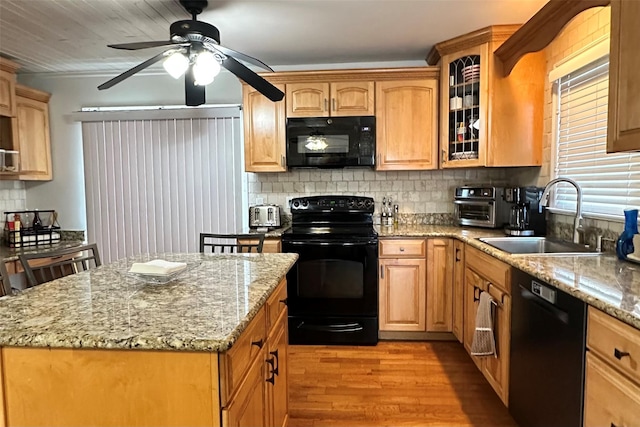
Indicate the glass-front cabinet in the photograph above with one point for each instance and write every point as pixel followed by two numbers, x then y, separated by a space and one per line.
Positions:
pixel 464 112
pixel 485 119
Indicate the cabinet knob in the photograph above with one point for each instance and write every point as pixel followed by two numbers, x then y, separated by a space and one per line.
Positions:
pixel 620 354
pixel 401 249
pixel 284 301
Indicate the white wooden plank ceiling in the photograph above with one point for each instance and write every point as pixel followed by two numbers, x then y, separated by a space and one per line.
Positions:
pixel 71 35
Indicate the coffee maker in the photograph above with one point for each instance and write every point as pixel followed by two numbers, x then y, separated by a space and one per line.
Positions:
pixel 526 215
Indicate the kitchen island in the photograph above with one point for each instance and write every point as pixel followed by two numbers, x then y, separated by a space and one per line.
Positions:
pixel 105 348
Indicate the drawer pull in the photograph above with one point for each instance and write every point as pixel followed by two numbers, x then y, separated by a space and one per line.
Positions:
pixel 620 354
pixel 613 425
pixel 284 301
pixel 258 343
pixel 476 298
pixel 457 253
pixel 275 355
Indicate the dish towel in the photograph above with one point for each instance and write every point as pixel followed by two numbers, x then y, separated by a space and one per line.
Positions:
pixel 483 343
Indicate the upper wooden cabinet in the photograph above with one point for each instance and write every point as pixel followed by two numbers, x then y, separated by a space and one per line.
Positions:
pixel 264 132
pixel 407 125
pixel 7 87
pixel 34 146
pixel 404 101
pixel 623 132
pixel 486 119
pixel 330 99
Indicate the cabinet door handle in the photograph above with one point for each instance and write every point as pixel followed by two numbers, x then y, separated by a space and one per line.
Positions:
pixel 382 271
pixel 444 156
pixel 275 355
pixel 457 253
pixel 284 301
pixel 282 161
pixel 258 343
pixel 326 104
pixel 333 104
pixel 476 298
pixel 620 354
pixel 272 378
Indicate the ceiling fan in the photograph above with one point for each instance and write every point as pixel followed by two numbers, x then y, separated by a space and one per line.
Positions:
pixel 195 51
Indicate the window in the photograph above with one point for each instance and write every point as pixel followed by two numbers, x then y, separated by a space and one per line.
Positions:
pixel 610 182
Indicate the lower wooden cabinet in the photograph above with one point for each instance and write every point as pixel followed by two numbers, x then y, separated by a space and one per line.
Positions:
pixel 458 290
pixel 439 285
pixel 612 376
pixel 483 273
pixel 248 408
pixel 416 285
pixel 277 382
pixel 272 245
pixel 262 396
pixel 403 300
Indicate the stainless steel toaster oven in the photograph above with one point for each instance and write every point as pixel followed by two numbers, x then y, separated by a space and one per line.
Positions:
pixel 481 207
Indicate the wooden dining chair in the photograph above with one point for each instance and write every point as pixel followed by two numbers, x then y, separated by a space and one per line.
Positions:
pixel 5 289
pixel 47 266
pixel 231 243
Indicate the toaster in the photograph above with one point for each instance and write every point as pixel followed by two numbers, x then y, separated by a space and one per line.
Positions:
pixel 262 216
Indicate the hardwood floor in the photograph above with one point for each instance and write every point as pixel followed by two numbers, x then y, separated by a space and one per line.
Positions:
pixel 391 384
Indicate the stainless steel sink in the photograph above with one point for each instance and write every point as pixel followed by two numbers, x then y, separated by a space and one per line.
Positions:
pixel 537 246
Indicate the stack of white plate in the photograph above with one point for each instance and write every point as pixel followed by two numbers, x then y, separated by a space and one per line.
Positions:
pixel 471 72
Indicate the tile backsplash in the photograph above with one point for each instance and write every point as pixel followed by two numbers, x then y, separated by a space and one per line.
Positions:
pixel 13 197
pixel 416 192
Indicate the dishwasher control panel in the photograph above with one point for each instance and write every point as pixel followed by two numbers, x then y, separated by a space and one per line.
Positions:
pixel 543 291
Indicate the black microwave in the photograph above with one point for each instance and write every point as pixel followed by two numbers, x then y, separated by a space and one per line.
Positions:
pixel 331 142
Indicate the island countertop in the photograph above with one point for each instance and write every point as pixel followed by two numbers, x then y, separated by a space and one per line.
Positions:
pixel 205 309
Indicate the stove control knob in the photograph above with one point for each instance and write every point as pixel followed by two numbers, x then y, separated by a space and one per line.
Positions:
pixel 350 203
pixel 368 203
pixel 305 203
pixel 296 204
pixel 360 203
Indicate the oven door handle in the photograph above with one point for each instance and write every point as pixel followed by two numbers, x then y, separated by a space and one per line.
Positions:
pixel 342 327
pixel 331 243
pixel 473 202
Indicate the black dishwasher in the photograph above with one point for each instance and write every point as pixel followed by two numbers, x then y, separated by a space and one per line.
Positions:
pixel 546 377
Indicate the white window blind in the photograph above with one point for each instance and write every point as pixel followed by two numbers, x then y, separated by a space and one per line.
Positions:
pixel 610 182
pixel 153 185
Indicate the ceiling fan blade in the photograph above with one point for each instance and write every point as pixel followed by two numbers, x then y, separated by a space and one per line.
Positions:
pixel 252 79
pixel 145 45
pixel 241 56
pixel 132 71
pixel 194 95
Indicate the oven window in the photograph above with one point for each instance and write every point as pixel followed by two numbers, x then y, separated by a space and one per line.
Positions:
pixel 478 212
pixel 321 144
pixel 330 279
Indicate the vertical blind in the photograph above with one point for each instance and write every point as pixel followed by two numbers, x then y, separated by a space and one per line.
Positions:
pixel 610 182
pixel 153 185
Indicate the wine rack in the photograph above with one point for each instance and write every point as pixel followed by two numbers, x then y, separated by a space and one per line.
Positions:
pixel 29 228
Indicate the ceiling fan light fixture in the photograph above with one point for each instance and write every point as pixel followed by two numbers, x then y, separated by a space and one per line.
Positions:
pixel 176 64
pixel 205 68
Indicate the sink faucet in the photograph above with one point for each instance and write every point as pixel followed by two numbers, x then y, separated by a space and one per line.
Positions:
pixel 577 224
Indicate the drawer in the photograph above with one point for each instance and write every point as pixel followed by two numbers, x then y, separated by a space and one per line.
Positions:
pixel 494 270
pixel 235 361
pixel 615 342
pixel 276 304
pixel 403 248
pixel 610 399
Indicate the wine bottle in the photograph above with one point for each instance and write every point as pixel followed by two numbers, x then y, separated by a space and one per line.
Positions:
pixel 37 222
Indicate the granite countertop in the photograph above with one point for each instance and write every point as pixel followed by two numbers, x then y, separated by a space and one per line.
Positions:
pixel 602 281
pixel 10 254
pixel 205 309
